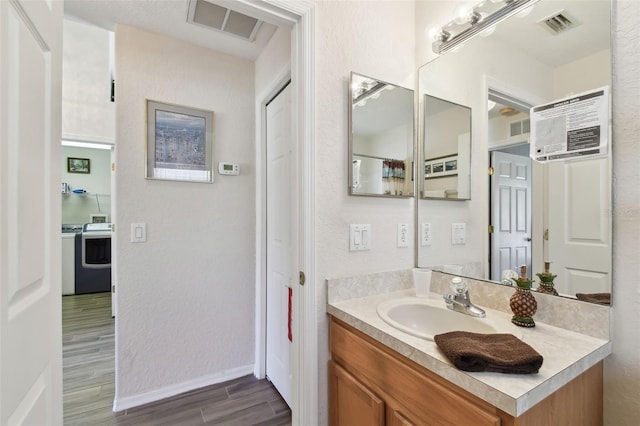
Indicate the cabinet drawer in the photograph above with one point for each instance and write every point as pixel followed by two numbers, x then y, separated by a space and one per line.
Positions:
pixel 423 397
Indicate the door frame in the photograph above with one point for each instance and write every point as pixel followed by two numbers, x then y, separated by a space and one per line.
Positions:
pixel 300 17
pixel 490 84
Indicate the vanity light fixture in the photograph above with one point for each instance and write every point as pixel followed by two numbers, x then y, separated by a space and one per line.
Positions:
pixel 479 18
pixel 365 88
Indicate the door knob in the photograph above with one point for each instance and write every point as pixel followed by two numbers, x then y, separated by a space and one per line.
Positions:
pixel 528 239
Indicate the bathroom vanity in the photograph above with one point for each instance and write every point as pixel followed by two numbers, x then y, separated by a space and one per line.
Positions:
pixel 380 375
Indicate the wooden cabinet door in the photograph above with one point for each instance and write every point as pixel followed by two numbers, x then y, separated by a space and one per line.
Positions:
pixel 396 418
pixel 352 404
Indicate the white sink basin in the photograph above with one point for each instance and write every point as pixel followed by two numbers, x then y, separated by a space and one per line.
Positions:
pixel 427 317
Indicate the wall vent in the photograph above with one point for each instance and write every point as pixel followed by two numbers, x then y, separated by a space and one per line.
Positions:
pixel 559 22
pixel 213 16
pixel 520 127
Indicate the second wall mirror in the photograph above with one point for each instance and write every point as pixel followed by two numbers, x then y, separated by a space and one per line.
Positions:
pixel 381 138
pixel 447 150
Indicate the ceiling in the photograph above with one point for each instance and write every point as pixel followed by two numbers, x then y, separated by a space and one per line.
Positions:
pixel 590 34
pixel 167 17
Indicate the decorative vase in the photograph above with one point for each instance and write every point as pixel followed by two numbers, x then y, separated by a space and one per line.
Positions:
pixel 546 281
pixel 522 303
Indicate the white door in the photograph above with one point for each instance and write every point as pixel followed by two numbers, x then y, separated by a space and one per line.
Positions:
pixel 30 217
pixel 510 213
pixel 279 280
pixel 579 196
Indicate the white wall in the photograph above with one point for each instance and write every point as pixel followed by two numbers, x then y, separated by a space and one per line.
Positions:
pixel 78 208
pixel 622 372
pixel 375 39
pixel 186 296
pixel 584 74
pixel 87 111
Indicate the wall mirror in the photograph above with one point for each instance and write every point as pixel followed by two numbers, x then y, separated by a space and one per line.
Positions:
pixel 523 212
pixel 447 150
pixel 381 138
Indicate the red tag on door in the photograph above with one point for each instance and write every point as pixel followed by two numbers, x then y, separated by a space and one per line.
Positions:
pixel 289 333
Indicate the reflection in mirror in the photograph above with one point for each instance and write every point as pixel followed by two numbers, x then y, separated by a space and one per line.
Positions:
pixel 381 138
pixel 525 212
pixel 447 150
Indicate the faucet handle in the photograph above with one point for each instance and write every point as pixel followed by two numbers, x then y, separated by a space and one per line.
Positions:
pixel 458 286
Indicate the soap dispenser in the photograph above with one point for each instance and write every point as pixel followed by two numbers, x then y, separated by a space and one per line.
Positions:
pixel 546 281
pixel 522 303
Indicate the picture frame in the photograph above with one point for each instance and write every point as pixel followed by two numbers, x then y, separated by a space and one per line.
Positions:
pixel 441 166
pixel 179 143
pixel 78 165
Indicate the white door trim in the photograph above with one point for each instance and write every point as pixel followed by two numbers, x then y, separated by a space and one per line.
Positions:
pixel 300 16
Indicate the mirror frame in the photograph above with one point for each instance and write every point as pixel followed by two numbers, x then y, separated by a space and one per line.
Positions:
pixel 412 170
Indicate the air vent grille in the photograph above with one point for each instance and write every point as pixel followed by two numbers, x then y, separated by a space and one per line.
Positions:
pixel 559 22
pixel 220 18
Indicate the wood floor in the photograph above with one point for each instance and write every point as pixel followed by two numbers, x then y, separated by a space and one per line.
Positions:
pixel 88 362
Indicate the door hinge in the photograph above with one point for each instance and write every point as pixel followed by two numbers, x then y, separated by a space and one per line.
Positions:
pixel 113 289
pixel 491 171
pixel 302 278
pixel 546 235
pixel 491 229
pixel 113 167
pixel 113 227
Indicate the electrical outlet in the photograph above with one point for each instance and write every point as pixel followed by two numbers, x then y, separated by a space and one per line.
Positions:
pixel 403 235
pixel 425 234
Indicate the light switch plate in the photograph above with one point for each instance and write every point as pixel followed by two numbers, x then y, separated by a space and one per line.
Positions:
pixel 138 232
pixel 359 237
pixel 403 235
pixel 458 233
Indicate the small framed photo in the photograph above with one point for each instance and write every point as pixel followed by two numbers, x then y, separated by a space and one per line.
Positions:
pixel 78 165
pixel 451 165
pixel 179 143
pixel 441 166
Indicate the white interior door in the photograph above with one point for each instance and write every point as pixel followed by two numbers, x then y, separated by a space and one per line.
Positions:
pixel 279 280
pixel 30 243
pixel 510 213
pixel 579 196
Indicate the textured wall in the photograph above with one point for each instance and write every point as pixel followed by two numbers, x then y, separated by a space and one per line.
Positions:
pixel 376 39
pixel 185 297
pixel 622 368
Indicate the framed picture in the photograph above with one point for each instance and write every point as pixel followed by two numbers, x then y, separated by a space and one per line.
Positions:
pixel 78 165
pixel 179 143
pixel 441 167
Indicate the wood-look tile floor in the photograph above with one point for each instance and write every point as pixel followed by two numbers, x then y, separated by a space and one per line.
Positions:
pixel 88 370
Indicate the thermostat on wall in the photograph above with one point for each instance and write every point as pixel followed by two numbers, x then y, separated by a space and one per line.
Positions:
pixel 228 169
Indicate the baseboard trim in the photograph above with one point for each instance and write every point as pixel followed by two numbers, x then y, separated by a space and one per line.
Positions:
pixel 121 404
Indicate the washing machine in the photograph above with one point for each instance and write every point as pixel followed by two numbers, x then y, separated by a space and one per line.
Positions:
pixel 93 258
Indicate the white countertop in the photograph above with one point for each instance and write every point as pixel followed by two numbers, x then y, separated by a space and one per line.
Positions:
pixel 566 354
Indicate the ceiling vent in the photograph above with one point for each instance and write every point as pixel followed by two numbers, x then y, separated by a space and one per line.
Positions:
pixel 223 19
pixel 559 22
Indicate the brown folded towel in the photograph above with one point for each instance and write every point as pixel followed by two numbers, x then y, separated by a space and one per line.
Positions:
pixel 501 353
pixel 602 298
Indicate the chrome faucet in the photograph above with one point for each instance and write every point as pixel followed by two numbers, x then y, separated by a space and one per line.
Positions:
pixel 459 301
